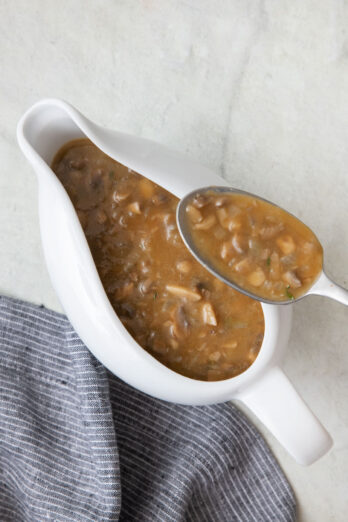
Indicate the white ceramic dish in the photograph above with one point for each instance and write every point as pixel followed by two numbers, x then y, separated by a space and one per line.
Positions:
pixel 264 388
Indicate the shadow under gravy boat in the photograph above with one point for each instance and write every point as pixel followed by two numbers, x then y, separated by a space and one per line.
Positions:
pixel 263 387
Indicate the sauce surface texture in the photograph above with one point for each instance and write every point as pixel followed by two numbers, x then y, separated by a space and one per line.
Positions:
pixel 172 306
pixel 256 245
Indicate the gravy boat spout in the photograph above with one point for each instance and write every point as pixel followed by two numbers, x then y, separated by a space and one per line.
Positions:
pixel 42 130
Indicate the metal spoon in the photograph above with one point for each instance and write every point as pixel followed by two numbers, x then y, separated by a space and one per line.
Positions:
pixel 322 286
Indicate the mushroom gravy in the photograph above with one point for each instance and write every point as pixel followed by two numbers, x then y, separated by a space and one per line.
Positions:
pixel 256 245
pixel 172 306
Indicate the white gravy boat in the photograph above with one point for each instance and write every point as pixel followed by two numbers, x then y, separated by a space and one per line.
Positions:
pixel 263 387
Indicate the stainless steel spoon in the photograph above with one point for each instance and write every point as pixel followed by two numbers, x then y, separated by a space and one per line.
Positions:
pixel 322 286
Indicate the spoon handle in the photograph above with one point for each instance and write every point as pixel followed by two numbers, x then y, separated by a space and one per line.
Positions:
pixel 328 288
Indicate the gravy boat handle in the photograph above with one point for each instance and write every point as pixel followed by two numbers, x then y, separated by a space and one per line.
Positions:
pixel 276 403
pixel 328 288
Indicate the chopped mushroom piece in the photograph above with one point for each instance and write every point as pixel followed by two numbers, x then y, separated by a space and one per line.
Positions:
pixel 175 331
pixel 272 231
pixel 183 291
pixel 101 217
pixel 144 286
pixel 208 313
pixel 159 199
pixel 180 321
pixel 286 244
pixel 199 201
pixel 257 278
pixel 207 223
pixel 228 221
pixel 120 196
pixel 124 291
pixel 134 207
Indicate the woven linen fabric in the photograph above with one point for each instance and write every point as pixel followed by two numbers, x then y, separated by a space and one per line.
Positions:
pixel 78 444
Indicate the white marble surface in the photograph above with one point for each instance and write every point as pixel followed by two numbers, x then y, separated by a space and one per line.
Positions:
pixel 258 90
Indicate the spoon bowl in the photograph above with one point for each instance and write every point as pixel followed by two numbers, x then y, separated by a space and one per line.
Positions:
pixel 322 285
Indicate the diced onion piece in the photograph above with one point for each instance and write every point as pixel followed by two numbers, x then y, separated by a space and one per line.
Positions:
pixel 208 313
pixel 264 254
pixel 174 344
pixel 222 217
pixel 289 261
pixel 182 291
pixel 291 279
pixel 230 345
pixel 146 187
pixel 215 356
pixel 225 249
pixel 275 266
pixel 308 247
pixel 194 214
pixel 243 266
pixel 219 201
pixel 286 244
pixel 234 224
pixel 238 243
pixel 184 266
pixel 220 233
pixel 227 221
pixel 257 278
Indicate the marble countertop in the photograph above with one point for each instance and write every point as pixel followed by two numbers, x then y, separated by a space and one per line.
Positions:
pixel 258 91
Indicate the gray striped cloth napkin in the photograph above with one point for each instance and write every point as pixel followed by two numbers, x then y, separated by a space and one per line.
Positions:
pixel 78 444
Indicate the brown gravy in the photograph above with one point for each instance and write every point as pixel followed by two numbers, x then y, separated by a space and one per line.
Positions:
pixel 257 245
pixel 172 306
